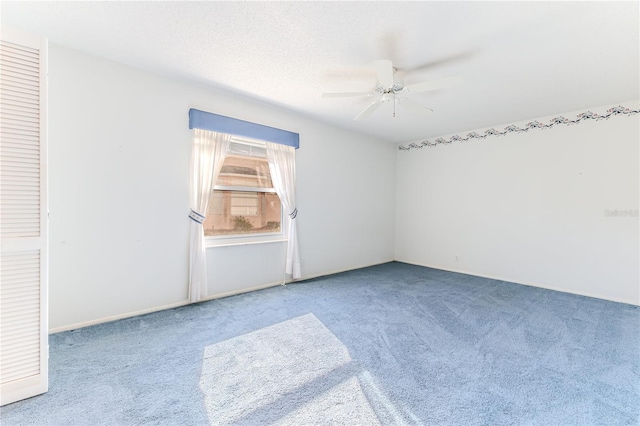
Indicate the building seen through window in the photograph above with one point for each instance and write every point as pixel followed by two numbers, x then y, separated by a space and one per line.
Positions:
pixel 243 200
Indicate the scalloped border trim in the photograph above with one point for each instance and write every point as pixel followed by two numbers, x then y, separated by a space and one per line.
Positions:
pixel 616 111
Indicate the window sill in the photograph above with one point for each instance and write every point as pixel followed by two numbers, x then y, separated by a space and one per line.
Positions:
pixel 212 242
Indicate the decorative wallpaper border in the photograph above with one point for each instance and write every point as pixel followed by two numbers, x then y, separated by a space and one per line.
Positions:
pixel 619 110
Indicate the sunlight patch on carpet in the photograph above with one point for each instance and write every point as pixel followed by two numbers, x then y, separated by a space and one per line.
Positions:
pixel 294 372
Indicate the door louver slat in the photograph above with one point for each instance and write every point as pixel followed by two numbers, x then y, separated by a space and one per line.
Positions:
pixel 20 313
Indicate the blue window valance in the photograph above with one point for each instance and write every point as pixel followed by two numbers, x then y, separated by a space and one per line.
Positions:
pixel 219 123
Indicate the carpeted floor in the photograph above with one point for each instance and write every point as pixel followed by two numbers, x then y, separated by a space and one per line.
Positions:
pixel 390 344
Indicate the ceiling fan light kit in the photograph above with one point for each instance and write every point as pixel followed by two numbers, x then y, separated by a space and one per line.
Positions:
pixel 388 90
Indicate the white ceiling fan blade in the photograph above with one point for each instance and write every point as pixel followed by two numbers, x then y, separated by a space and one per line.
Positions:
pixel 346 94
pixel 413 105
pixel 442 83
pixel 368 110
pixel 384 70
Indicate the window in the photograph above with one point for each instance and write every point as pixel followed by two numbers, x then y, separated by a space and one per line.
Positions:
pixel 243 200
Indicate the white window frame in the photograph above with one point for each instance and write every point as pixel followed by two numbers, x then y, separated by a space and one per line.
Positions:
pixel 255 238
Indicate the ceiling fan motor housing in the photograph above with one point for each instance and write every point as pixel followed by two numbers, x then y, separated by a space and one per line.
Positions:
pixel 386 97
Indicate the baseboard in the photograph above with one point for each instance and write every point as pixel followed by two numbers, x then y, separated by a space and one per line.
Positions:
pixel 529 284
pixel 288 281
pixel 117 317
pixel 338 271
pixel 212 297
pixel 237 292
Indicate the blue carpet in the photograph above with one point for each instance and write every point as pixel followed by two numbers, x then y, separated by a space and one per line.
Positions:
pixel 389 344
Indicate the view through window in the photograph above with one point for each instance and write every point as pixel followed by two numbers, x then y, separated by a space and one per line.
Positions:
pixel 243 200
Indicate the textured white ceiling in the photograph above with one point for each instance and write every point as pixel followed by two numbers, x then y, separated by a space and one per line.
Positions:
pixel 520 60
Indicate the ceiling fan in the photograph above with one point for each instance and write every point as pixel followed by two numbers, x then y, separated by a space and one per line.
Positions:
pixel 390 90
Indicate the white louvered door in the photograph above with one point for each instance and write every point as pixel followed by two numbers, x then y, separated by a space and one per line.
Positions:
pixel 23 216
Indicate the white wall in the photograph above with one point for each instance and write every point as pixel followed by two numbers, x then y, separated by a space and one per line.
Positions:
pixel 528 208
pixel 119 149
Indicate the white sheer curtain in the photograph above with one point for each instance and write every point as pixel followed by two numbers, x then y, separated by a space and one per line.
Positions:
pixel 208 152
pixel 282 165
